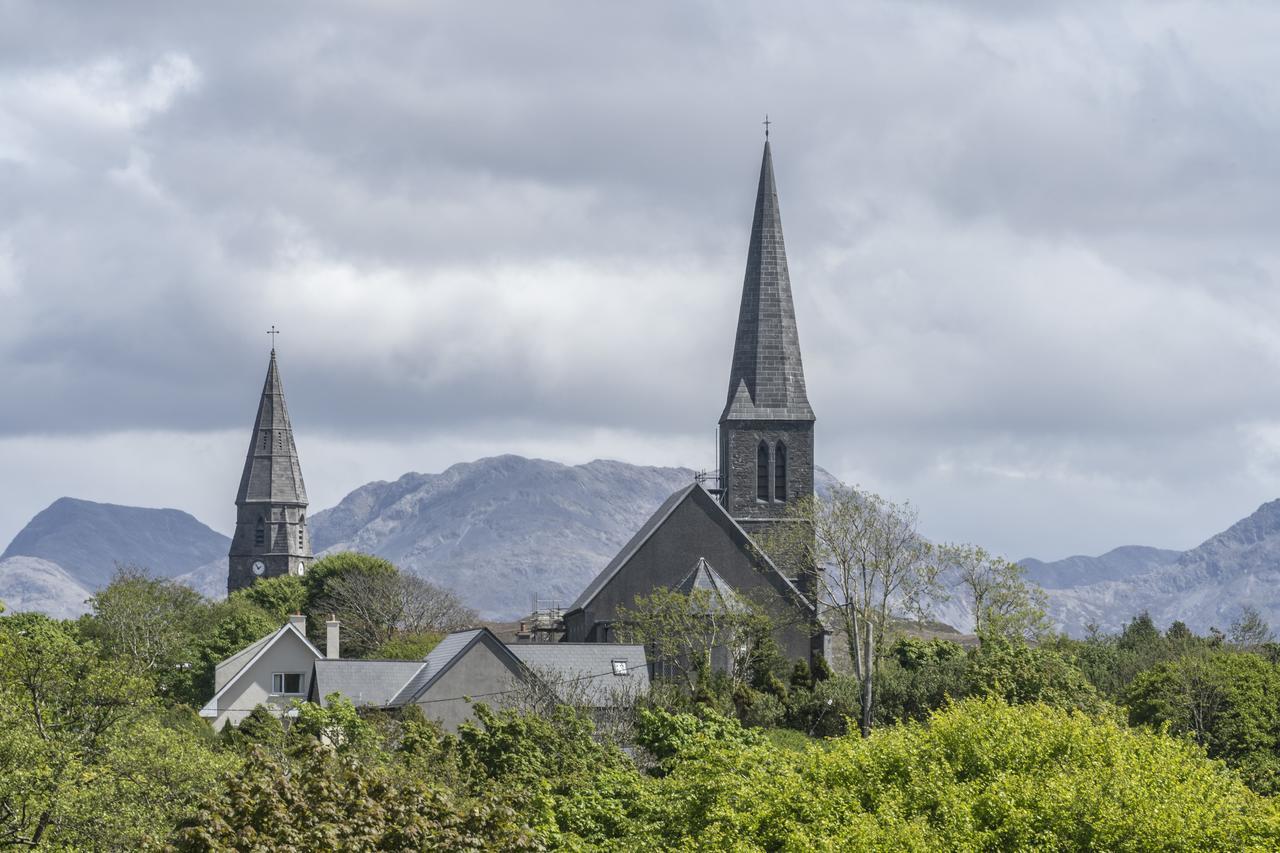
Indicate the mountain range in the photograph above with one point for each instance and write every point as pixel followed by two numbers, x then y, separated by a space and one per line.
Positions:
pixel 503 530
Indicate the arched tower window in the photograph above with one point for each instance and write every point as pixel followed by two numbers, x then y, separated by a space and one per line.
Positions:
pixel 260 533
pixel 780 472
pixel 762 472
pixel 301 521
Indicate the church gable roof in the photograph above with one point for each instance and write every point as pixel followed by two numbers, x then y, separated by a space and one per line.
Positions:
pixel 692 492
pixel 272 473
pixel 766 380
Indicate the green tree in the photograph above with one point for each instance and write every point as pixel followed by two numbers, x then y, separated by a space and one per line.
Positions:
pixel 323 801
pixel 871 559
pixel 279 597
pixel 1229 702
pixel 1019 674
pixel 690 635
pixel 997 592
pixel 152 622
pixel 88 760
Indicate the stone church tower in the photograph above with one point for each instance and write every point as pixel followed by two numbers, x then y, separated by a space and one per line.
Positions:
pixel 271 536
pixel 766 429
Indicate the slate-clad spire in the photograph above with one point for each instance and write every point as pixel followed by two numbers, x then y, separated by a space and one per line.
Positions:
pixel 271 470
pixel 271 536
pixel 766 381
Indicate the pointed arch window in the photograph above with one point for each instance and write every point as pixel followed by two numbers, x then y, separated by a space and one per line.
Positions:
pixel 762 472
pixel 260 533
pixel 780 472
pixel 301 526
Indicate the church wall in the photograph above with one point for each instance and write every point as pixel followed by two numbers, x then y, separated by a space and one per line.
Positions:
pixel 480 671
pixel 692 531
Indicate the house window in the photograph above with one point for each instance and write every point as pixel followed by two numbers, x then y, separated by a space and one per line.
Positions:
pixel 780 472
pixel 260 533
pixel 619 667
pixel 286 683
pixel 762 472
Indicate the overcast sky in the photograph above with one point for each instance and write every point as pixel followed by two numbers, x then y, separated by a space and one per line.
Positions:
pixel 1033 247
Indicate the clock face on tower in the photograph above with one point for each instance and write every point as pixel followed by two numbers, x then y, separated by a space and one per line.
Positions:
pixel 259 567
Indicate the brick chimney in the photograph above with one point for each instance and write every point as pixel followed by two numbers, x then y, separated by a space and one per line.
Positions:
pixel 331 637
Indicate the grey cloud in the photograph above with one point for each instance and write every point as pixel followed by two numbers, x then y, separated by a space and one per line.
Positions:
pixel 1031 243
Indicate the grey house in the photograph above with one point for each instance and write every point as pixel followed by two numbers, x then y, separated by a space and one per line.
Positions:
pixel 475 666
pixel 765 465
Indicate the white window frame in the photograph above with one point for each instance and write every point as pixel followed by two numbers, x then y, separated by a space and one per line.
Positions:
pixel 619 667
pixel 278 684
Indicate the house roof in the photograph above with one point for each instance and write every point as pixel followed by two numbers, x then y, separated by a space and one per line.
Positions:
pixel 264 645
pixel 364 682
pixel 585 670
pixel 766 379
pixel 445 655
pixel 656 521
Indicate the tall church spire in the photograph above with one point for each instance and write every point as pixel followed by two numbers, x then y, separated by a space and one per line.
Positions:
pixel 766 380
pixel 766 428
pixel 271 537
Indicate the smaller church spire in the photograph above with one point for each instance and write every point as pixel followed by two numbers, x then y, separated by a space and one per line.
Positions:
pixel 272 473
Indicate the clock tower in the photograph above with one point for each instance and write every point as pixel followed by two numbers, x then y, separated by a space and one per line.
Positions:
pixel 271 536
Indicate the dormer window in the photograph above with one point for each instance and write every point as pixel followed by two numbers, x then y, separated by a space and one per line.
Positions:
pixel 762 472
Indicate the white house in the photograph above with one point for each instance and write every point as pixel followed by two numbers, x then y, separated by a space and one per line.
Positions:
pixel 273 672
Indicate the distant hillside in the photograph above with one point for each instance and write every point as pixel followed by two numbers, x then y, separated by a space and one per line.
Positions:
pixel 1204 587
pixel 87 539
pixel 29 583
pixel 1118 564
pixel 501 530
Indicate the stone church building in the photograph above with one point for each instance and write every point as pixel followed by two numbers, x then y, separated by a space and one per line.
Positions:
pixel 765 465
pixel 698 536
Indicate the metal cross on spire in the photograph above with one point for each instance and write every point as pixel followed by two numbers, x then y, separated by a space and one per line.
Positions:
pixel 273 332
pixel 766 124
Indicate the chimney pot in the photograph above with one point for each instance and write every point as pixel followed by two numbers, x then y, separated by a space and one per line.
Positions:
pixel 331 637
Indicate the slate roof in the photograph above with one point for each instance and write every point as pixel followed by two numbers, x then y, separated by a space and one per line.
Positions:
pixel 586 669
pixel 651 526
pixel 450 649
pixel 723 597
pixel 364 682
pixel 272 473
pixel 766 380
pixel 641 536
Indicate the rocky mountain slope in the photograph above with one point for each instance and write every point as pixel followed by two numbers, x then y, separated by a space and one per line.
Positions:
pixel 501 530
pixel 88 539
pixel 1203 587
pixel 29 583
pixel 70 549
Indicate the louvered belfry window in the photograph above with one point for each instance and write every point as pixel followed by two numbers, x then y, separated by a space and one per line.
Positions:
pixel 260 533
pixel 762 472
pixel 780 472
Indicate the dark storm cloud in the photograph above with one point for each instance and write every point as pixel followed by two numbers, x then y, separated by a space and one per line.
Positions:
pixel 1031 243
